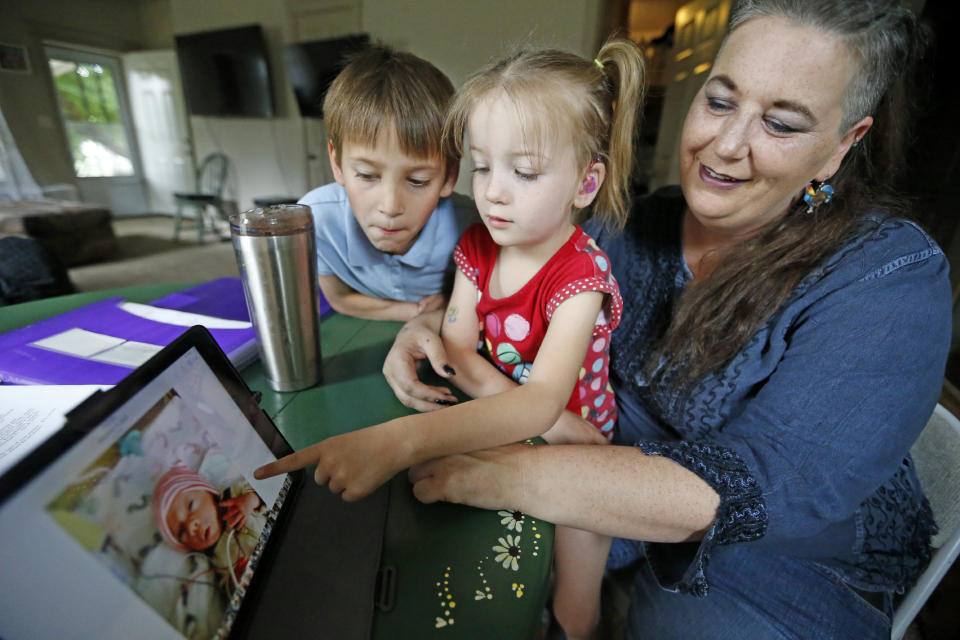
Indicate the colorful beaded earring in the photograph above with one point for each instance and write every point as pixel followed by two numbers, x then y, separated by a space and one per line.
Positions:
pixel 817 193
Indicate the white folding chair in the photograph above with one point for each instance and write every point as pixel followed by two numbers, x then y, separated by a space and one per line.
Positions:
pixel 936 455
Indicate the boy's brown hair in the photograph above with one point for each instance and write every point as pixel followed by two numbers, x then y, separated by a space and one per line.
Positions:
pixel 382 86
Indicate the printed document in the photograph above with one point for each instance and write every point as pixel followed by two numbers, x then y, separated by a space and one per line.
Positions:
pixel 29 414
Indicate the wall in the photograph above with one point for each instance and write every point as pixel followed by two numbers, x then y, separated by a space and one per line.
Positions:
pixel 267 155
pixel 270 155
pixel 28 102
pixel 459 37
pixel 155 24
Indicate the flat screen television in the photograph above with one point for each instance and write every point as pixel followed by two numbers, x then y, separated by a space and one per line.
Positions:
pixel 226 72
pixel 312 66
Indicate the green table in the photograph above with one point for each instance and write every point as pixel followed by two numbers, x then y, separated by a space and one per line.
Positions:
pixel 448 582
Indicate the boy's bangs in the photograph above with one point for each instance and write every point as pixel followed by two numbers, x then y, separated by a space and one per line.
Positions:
pixel 417 137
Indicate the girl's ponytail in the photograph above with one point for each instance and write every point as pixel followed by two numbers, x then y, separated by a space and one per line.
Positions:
pixel 623 67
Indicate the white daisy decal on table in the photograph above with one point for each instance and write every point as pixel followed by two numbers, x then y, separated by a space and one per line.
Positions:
pixel 512 519
pixel 508 551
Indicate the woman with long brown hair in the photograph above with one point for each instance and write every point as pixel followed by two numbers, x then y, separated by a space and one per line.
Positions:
pixel 782 346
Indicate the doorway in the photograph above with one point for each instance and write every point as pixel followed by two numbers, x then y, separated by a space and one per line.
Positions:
pixel 163 130
pixel 91 98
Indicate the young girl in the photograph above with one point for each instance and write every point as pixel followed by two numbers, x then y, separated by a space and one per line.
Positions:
pixel 550 135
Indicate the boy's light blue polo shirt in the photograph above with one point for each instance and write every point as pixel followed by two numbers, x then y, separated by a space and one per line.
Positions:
pixel 344 251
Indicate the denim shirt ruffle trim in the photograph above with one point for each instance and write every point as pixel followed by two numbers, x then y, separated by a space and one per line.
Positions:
pixel 741 516
pixel 896 532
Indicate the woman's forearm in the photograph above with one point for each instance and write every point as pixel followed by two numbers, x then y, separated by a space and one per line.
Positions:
pixel 631 495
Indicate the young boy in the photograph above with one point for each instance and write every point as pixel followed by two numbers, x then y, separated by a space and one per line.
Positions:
pixel 387 227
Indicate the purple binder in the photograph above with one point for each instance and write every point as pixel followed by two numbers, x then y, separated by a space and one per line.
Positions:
pixel 23 363
pixel 222 298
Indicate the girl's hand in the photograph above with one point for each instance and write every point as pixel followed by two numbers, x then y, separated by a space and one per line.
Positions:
pixel 238 508
pixel 419 339
pixel 352 464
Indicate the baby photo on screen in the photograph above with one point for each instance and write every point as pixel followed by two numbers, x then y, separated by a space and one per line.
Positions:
pixel 165 510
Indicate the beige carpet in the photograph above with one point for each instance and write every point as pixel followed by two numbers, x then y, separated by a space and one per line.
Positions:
pixel 148 254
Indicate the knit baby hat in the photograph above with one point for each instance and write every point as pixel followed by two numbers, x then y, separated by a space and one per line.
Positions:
pixel 170 485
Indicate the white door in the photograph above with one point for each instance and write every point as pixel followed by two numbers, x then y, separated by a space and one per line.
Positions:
pixel 160 120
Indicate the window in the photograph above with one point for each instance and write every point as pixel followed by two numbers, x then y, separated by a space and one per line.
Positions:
pixel 94 112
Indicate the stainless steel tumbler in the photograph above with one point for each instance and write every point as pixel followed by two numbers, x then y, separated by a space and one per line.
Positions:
pixel 276 253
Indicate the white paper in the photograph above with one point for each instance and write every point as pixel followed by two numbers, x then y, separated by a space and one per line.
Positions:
pixel 181 318
pixel 31 414
pixel 78 342
pixel 129 354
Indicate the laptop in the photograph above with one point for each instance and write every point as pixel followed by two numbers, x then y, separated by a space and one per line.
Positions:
pixel 141 518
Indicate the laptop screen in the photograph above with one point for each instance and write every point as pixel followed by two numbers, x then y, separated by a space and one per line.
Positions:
pixel 151 523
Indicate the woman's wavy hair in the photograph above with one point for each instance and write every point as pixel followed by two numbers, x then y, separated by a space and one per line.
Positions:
pixel 714 318
pixel 598 106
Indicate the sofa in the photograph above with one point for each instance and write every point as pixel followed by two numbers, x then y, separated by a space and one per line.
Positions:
pixel 75 232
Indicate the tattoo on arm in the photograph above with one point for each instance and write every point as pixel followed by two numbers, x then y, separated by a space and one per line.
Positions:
pixel 452 314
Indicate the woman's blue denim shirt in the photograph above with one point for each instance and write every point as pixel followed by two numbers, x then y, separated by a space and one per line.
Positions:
pixel 805 435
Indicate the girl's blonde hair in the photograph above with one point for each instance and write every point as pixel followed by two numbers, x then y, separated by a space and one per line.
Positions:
pixel 596 102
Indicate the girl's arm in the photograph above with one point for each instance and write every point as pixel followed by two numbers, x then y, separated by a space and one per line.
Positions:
pixel 475 375
pixel 478 378
pixel 417 341
pixel 357 463
pixel 523 411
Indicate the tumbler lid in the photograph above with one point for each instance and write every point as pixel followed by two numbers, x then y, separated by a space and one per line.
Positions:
pixel 275 220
